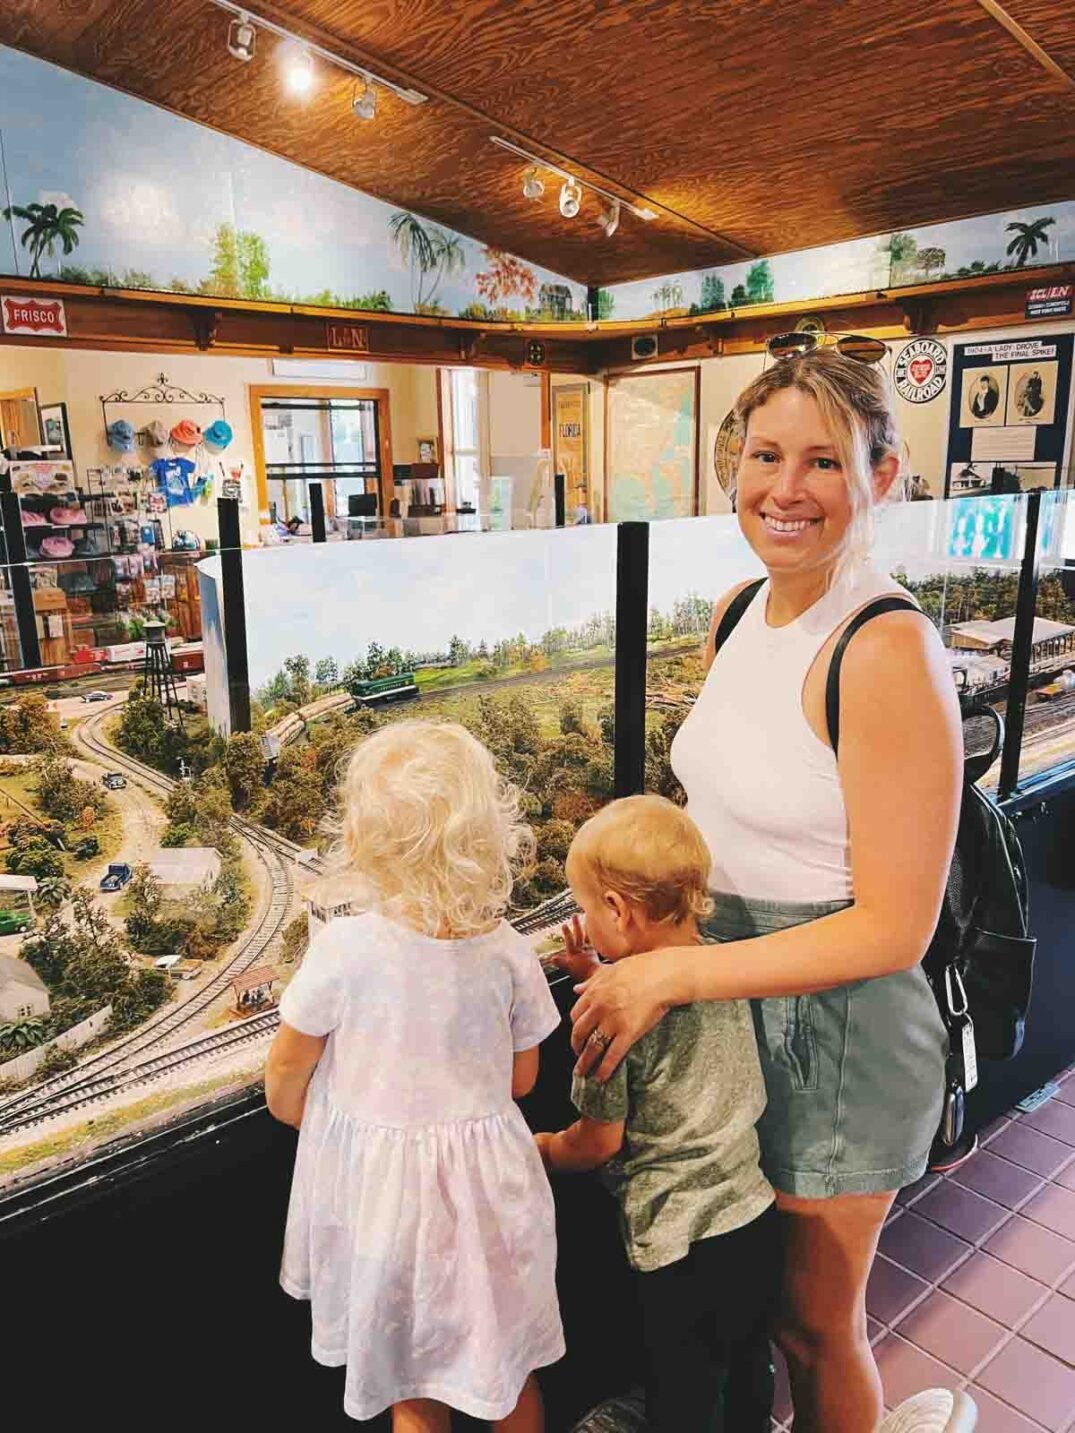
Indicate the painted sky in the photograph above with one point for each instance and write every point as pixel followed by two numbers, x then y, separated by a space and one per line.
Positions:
pixel 861 264
pixel 154 188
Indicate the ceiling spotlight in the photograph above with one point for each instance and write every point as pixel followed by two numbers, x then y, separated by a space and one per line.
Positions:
pixel 570 198
pixel 242 38
pixel 645 213
pixel 364 100
pixel 610 219
pixel 533 186
pixel 299 73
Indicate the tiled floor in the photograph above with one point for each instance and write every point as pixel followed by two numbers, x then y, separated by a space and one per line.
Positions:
pixel 974 1285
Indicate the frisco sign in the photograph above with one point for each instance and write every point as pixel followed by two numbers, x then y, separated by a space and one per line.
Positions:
pixel 37 316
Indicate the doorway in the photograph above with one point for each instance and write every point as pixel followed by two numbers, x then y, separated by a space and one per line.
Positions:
pixel 338 437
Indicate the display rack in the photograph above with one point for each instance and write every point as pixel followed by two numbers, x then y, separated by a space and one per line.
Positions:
pixel 158 394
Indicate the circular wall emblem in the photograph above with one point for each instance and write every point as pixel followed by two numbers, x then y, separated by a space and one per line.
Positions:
pixel 726 450
pixel 921 370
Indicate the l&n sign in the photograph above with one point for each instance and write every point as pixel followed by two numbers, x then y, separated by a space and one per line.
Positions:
pixel 36 316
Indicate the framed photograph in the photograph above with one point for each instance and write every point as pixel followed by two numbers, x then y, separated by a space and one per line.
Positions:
pixel 1032 393
pixel 984 393
pixel 427 450
pixel 55 435
pixel 570 445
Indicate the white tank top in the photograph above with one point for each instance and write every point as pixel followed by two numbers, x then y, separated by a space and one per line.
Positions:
pixel 762 788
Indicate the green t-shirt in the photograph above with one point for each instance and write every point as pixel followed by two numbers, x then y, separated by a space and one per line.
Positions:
pixel 690 1093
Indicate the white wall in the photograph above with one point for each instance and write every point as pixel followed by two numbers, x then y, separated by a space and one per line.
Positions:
pixel 514 415
pixel 78 377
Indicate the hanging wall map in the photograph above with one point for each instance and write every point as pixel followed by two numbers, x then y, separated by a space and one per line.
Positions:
pixel 653 445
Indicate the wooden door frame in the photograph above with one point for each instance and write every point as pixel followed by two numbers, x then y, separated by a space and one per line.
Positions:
pixel 257 391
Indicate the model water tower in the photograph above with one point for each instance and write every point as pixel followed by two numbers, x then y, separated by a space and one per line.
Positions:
pixel 157 676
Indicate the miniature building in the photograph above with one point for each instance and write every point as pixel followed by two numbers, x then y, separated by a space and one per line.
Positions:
pixel 326 898
pixel 23 994
pixel 183 869
pixel 1051 639
pixel 253 989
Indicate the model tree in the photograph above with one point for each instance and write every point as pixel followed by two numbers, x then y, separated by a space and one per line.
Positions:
pixel 505 275
pixel 1027 238
pixel 432 254
pixel 47 226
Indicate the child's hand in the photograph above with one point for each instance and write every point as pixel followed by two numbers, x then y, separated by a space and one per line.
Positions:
pixel 578 959
pixel 543 1142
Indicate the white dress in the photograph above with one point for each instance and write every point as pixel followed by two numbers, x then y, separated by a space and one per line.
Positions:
pixel 421 1222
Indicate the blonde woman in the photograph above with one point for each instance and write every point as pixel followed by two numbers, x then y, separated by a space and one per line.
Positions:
pixel 421 1224
pixel 828 874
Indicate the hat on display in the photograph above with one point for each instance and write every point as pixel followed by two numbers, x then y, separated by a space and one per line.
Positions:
pixel 31 518
pixel 57 547
pixel 186 434
pixel 68 517
pixel 218 435
pixel 156 434
pixel 120 435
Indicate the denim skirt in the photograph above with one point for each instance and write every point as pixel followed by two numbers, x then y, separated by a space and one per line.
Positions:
pixel 854 1075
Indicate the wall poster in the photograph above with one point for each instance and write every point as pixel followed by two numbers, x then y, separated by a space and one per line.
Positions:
pixel 1008 421
pixel 652 445
pixel 570 446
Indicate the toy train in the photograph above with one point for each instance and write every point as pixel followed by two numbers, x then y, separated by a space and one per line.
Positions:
pixel 91 661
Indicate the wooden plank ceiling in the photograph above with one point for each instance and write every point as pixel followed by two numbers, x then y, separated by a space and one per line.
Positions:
pixel 751 128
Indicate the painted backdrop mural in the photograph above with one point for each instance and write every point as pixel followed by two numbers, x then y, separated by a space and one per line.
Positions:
pixel 963 249
pixel 103 188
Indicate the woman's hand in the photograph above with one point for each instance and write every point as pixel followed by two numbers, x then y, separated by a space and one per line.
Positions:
pixel 578 958
pixel 619 1003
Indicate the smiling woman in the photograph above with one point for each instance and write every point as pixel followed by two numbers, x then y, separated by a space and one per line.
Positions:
pixel 827 874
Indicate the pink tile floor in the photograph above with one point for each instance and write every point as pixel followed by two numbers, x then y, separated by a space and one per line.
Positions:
pixel 974 1285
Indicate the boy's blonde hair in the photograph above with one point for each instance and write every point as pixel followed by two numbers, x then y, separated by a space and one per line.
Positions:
pixel 428 829
pixel 651 853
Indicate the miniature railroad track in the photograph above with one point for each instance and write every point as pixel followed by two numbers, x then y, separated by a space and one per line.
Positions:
pixel 274 852
pixel 113 1082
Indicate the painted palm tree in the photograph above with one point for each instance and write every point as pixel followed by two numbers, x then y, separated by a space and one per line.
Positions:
pixel 431 252
pixel 1027 238
pixel 48 226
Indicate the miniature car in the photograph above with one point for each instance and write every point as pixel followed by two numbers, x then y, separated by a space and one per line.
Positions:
pixel 87 847
pixel 117 876
pixel 96 696
pixel 114 781
pixel 12 922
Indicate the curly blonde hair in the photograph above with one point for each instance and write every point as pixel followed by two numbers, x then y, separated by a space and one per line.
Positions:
pixel 428 830
pixel 855 402
pixel 650 852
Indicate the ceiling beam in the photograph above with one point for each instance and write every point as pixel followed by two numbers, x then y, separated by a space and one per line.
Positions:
pixel 1029 44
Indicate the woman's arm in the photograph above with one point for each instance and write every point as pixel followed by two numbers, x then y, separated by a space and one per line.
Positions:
pixel 901 755
pixel 292 1060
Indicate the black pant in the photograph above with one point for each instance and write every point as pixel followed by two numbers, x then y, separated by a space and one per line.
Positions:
pixel 706 1321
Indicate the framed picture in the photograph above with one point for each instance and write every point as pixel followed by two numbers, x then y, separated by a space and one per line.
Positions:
pixel 55 436
pixel 427 450
pixel 570 446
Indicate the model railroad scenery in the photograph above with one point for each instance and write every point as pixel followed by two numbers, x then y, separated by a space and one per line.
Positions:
pixel 162 881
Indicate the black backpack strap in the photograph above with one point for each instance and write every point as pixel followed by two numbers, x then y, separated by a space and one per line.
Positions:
pixel 832 684
pixel 734 610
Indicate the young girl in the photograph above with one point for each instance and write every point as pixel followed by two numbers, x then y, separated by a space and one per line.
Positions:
pixel 421 1224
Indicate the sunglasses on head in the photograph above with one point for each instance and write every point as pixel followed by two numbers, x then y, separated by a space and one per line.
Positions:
pixel 851 345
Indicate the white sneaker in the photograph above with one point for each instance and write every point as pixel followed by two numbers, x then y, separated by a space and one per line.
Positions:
pixel 936 1410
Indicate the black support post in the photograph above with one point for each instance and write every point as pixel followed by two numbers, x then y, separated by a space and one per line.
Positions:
pixel 1022 649
pixel 592 302
pixel 231 586
pixel 632 615
pixel 317 511
pixel 559 483
pixel 22 591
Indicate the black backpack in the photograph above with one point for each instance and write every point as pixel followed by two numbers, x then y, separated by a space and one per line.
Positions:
pixel 982 946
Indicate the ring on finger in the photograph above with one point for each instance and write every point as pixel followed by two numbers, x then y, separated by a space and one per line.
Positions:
pixel 598 1037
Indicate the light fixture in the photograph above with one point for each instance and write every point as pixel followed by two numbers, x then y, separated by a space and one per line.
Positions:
pixel 570 198
pixel 533 186
pixel 364 101
pixel 610 219
pixel 242 37
pixel 299 71
pixel 251 18
pixel 572 184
